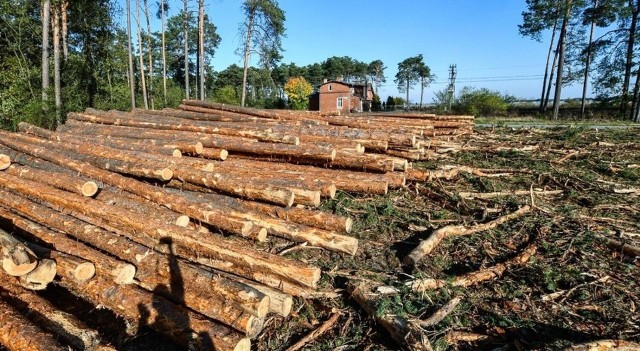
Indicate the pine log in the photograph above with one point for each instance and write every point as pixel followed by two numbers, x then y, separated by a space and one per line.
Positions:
pixel 367 162
pixel 207 213
pixel 152 267
pixel 308 153
pixel 292 231
pixel 71 330
pixel 121 272
pixel 260 135
pixel 5 162
pixel 198 116
pixel 279 302
pixel 138 307
pixel 41 276
pixel 214 153
pixel 236 258
pixel 79 268
pixel 231 108
pixel 17 259
pixel 57 180
pixel 17 333
pixel 312 218
pixel 399 328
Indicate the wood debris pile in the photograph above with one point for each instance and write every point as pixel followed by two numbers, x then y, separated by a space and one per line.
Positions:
pixel 125 210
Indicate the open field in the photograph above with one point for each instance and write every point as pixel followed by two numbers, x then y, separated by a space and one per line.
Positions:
pixel 577 286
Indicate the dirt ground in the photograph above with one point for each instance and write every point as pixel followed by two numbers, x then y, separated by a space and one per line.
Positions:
pixel 576 288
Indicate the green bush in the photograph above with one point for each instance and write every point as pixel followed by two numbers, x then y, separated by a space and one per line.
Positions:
pixel 481 102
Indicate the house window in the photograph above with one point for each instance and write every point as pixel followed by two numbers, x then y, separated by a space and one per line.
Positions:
pixel 339 104
pixel 330 88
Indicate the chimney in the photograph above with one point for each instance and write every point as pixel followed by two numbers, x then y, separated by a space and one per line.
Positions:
pixel 324 81
pixel 339 78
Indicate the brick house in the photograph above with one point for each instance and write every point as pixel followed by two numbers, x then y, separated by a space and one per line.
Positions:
pixel 337 95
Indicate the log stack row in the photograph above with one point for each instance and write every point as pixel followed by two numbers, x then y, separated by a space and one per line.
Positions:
pixel 125 210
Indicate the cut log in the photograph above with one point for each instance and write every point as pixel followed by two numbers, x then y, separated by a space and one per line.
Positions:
pixel 427 246
pixel 78 268
pixel 235 257
pixel 279 302
pixel 47 316
pixel 5 162
pixel 17 333
pixel 58 180
pixel 399 328
pixel 17 259
pixel 204 212
pixel 151 272
pixel 214 153
pixel 179 324
pixel 41 276
pixel 122 272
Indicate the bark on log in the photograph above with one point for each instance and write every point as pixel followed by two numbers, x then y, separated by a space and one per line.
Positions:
pixel 56 180
pixel 17 333
pixel 279 302
pixel 214 153
pixel 141 307
pixel 121 272
pixel 231 108
pixel 17 259
pixel 367 162
pixel 236 258
pixel 5 162
pixel 152 267
pixel 399 328
pixel 427 246
pixel 44 314
pixel 201 211
pixel 303 153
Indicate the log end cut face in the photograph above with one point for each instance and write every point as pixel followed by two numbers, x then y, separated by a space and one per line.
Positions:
pixel 5 162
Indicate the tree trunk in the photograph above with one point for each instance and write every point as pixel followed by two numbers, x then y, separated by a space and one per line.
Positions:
pixel 587 64
pixel 563 44
pixel 64 6
pixel 628 66
pixel 150 53
pixel 247 54
pixel 407 101
pixel 554 65
pixel 635 107
pixel 185 25
pixel 46 14
pixel 201 46
pixel 164 53
pixel 56 63
pixel 421 91
pixel 132 80
pixel 141 57
pixel 546 66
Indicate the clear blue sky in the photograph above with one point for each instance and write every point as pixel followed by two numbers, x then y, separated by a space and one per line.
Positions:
pixel 479 36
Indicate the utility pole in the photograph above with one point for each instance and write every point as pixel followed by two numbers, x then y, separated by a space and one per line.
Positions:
pixel 451 89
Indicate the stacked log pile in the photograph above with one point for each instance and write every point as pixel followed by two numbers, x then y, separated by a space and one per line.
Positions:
pixel 125 210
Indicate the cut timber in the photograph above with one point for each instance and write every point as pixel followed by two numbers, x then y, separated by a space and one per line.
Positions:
pixel 469 279
pixel 151 272
pixel 427 246
pixel 231 255
pixel 207 213
pixel 279 302
pixel 80 269
pixel 47 316
pixel 231 108
pixel 367 162
pixel 122 272
pixel 399 328
pixel 17 259
pixel 214 153
pixel 56 180
pixel 17 333
pixel 5 162
pixel 41 276
pixel 302 153
pixel 176 322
